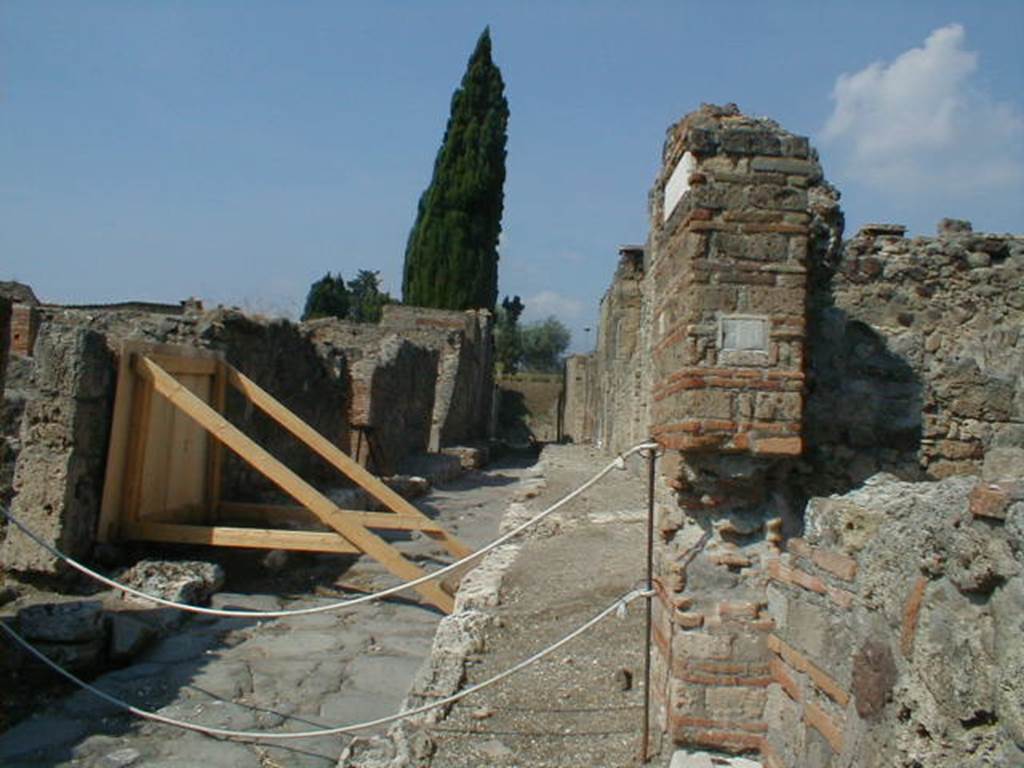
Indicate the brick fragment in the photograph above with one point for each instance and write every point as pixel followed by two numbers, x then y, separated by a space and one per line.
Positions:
pixel 825 725
pixel 819 677
pixel 911 613
pixel 992 500
pixel 781 675
pixel 835 563
pixel 779 446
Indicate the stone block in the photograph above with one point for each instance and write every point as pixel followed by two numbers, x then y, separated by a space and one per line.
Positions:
pixel 778 446
pixel 750 141
pixel 701 645
pixel 74 622
pixel 73 361
pixel 827 726
pixel 735 702
pixel 778 406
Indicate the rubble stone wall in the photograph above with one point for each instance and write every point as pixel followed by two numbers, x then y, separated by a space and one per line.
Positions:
pixel 58 478
pixel 465 378
pixel 332 374
pixel 917 361
pixel 897 625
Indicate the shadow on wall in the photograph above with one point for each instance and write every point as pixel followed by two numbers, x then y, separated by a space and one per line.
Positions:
pixel 514 418
pixel 864 406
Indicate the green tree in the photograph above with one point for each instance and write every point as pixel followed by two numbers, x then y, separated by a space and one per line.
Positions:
pixel 366 300
pixel 544 345
pixel 451 258
pixel 508 342
pixel 327 297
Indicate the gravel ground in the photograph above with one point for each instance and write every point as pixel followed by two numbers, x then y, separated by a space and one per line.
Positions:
pixel 583 705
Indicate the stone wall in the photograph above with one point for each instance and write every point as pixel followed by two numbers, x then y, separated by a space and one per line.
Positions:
pixel 66 393
pixel 580 407
pixel 531 407
pixel 898 624
pixel 917 360
pixel 622 399
pixel 58 478
pixel 332 374
pixel 776 363
pixel 465 377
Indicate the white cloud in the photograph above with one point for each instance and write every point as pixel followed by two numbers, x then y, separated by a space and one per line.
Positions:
pixel 922 120
pixel 546 303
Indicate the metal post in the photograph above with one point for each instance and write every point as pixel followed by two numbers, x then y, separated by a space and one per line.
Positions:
pixel 645 741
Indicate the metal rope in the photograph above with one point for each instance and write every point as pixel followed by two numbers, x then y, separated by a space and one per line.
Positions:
pixel 619 604
pixel 619 462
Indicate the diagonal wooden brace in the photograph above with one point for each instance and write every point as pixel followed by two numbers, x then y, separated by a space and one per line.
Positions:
pixel 340 460
pixel 289 482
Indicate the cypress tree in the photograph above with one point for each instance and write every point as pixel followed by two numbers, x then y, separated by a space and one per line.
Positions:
pixel 451 258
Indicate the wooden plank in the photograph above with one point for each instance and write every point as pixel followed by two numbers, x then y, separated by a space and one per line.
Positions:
pixel 141 403
pixel 292 484
pixel 157 432
pixel 285 513
pixel 341 461
pixel 117 451
pixel 177 364
pixel 227 536
pixel 120 488
pixel 187 465
pixel 214 449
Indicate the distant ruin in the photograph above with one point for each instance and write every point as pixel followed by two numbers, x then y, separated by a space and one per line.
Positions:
pixel 419 380
pixel 777 364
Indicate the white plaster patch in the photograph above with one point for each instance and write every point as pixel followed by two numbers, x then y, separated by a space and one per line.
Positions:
pixel 678 184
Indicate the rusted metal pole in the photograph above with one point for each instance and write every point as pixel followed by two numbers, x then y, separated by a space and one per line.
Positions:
pixel 645 740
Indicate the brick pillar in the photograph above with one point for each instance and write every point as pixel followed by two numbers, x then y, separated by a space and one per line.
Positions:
pixel 727 292
pixel 24 327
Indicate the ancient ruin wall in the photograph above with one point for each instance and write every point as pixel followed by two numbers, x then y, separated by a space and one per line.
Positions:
pixel 783 365
pixel 917 355
pixel 465 377
pixel 580 406
pixel 621 415
pixel 896 638
pixel 333 374
pixel 67 392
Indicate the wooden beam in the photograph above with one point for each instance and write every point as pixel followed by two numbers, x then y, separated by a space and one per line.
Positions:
pixel 136 461
pixel 215 450
pixel 226 536
pixel 286 513
pixel 290 483
pixel 176 364
pixel 339 459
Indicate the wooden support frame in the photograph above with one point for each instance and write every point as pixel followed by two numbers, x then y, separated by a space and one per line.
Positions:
pixel 128 506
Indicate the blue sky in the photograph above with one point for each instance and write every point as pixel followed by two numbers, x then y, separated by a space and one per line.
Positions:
pixel 236 151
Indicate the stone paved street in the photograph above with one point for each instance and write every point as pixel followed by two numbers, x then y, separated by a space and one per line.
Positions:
pixel 291 674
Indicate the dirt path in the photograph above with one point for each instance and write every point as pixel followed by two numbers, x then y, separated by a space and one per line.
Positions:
pixel 290 674
pixel 583 705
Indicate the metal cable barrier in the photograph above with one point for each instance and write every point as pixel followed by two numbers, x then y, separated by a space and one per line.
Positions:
pixel 618 606
pixel 342 604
